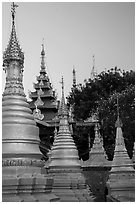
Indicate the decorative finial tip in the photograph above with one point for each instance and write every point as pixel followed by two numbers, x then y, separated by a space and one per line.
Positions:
pixel 43 51
pixel 13 6
pixel 74 68
pixel 43 43
pixel 62 83
pixel 117 105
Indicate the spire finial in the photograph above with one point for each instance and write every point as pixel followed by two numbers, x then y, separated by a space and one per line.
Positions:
pixel 63 109
pixel 94 61
pixel 93 72
pixel 43 57
pixel 43 45
pixel 62 82
pixel 74 77
pixel 13 6
pixel 117 105
pixel 43 41
pixel 118 122
pixel 13 50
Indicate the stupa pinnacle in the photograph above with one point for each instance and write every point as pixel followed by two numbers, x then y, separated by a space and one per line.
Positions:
pixel 13 50
pixel 43 66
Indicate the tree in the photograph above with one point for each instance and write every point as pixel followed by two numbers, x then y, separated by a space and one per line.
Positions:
pixel 100 94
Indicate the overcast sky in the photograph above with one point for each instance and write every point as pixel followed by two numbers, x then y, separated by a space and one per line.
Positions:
pixel 72 33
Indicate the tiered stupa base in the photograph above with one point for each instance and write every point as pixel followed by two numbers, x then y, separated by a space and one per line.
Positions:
pixel 121 187
pixel 28 188
pixel 96 159
pixel 70 186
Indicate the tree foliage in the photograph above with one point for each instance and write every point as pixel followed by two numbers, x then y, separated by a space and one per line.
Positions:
pixel 100 95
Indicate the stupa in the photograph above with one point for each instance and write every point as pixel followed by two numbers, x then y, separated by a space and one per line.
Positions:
pixel 97 155
pixel 21 158
pixel 69 183
pixel 121 183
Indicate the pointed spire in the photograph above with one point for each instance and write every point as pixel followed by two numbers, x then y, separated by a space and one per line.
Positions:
pixel 43 66
pixel 118 121
pixel 13 50
pixel 93 71
pixel 74 77
pixel 63 109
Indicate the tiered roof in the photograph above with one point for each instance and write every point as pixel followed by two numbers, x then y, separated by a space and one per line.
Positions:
pixel 43 82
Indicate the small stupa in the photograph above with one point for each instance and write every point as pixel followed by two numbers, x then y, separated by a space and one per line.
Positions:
pixel 21 158
pixel 121 182
pixel 97 155
pixel 69 183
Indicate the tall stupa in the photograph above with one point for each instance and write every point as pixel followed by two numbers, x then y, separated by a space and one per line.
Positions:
pixel 64 166
pixel 21 158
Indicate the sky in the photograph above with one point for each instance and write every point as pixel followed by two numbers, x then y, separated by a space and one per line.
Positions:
pixel 73 32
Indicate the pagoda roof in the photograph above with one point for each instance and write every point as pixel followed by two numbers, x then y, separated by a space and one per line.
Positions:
pixel 45 95
pixel 32 106
pixel 37 86
pixel 44 78
pixel 84 123
pixel 47 123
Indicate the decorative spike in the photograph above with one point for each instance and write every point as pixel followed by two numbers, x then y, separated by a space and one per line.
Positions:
pixel 74 77
pixel 93 72
pixel 62 109
pixel 117 105
pixel 43 66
